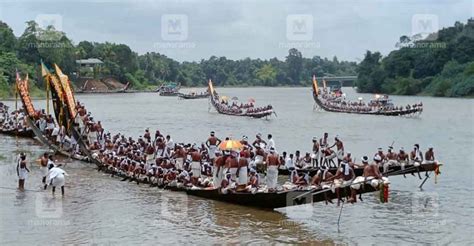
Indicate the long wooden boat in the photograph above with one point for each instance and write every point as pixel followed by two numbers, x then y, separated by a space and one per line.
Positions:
pixel 359 171
pixel 193 96
pixel 321 104
pixel 169 93
pixel 214 100
pixel 28 133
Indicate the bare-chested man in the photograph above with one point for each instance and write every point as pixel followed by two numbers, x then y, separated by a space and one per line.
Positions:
pixel 259 142
pixel 212 143
pixel 273 162
pixel 416 156
pixel 340 149
pixel 323 143
pixel 44 168
pixel 180 155
pixel 343 177
pixel 219 163
pixel 232 165
pixel 391 159
pixel 316 152
pixel 195 164
pixel 429 156
pixel 243 168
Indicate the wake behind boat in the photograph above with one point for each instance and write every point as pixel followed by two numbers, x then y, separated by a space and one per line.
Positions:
pixel 222 106
pixel 334 101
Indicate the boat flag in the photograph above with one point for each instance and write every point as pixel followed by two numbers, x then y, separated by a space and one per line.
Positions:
pixel 315 85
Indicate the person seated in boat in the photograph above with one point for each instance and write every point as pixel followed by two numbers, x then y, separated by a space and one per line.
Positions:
pixel 343 177
pixel 416 156
pixel 298 160
pixel 306 161
pixel 348 158
pixel 226 183
pixel 254 181
pixel 300 180
pixel 372 173
pixel 381 154
pixel 391 159
pixel 259 141
pixel 429 156
pixel 402 158
pixel 184 177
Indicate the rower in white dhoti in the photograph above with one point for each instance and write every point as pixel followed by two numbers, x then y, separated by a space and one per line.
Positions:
pixel 212 143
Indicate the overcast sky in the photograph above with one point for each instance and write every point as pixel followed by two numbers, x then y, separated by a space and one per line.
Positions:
pixel 240 29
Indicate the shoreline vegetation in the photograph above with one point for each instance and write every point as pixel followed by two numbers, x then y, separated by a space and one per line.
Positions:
pixel 442 66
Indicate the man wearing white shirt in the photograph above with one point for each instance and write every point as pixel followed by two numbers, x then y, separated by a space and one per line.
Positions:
pixel 270 143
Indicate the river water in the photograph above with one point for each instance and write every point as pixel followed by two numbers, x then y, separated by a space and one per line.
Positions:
pixel 103 210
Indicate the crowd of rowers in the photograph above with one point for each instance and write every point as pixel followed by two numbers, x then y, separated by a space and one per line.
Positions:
pixel 159 161
pixel 236 108
pixel 14 121
pixel 338 102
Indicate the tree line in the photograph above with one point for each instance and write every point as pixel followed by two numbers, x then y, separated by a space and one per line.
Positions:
pixel 441 64
pixel 51 46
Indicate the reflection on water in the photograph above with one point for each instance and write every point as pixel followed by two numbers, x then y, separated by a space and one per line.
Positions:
pixel 103 210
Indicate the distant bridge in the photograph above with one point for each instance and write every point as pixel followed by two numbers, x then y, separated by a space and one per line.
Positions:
pixel 346 81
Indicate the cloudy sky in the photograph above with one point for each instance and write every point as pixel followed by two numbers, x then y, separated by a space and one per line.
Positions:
pixel 189 30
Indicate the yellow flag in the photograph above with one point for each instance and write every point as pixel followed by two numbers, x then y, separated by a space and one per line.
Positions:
pixel 44 70
pixel 315 85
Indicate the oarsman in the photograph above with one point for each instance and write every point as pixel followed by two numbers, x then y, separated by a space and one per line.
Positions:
pixel 44 168
pixel 321 176
pixel 219 163
pixel 316 152
pixel 212 143
pixel 259 142
pixel 429 156
pixel 22 171
pixel 242 171
pixel 340 149
pixel 348 158
pixel 381 154
pixel 56 178
pixel 391 159
pixel 195 164
pixel 270 143
pixel 273 162
pixel 416 157
pixel 343 177
pixel 232 164
pixel 254 181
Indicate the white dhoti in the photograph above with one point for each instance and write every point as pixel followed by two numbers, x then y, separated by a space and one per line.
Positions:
pixel 179 163
pixel 258 159
pixel 22 174
pixel 233 173
pixel 159 152
pixel 376 182
pixel 212 151
pixel 272 177
pixel 315 155
pixel 217 177
pixel 403 164
pixel 389 163
pixel 243 179
pixel 44 171
pixel 357 183
pixel 196 169
pixel 58 181
pixel 340 154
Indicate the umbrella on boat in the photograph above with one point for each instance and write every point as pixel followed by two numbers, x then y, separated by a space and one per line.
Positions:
pixel 230 145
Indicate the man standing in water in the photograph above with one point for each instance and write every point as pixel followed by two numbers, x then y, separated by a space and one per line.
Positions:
pixel 56 178
pixel 212 143
pixel 22 171
pixel 44 168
